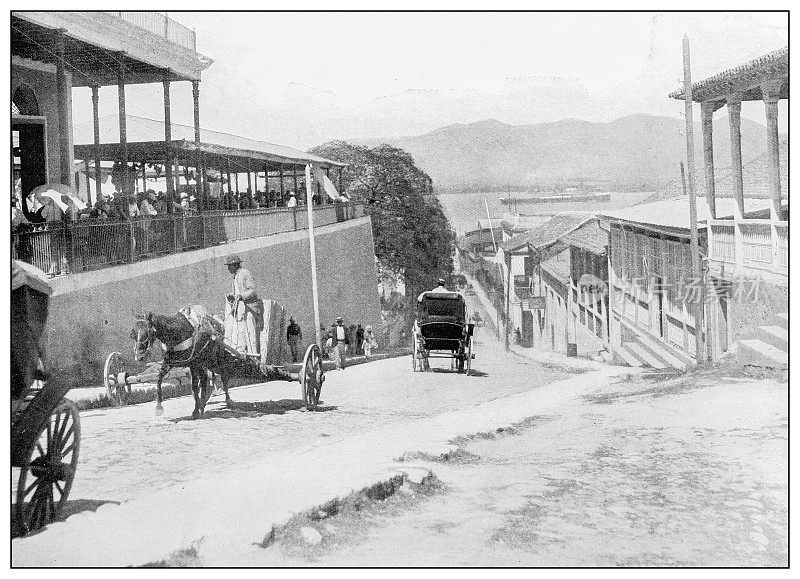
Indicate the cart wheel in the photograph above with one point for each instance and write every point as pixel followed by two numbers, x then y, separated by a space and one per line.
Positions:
pixel 114 376
pixel 311 377
pixel 46 476
pixel 468 361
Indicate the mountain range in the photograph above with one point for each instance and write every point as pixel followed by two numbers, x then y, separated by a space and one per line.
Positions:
pixel 636 152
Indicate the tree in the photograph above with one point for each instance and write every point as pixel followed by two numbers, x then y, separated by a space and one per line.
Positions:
pixel 414 242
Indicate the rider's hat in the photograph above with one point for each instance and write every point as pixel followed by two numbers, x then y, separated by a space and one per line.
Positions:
pixel 233 258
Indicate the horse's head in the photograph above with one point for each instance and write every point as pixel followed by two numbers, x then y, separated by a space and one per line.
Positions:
pixel 143 334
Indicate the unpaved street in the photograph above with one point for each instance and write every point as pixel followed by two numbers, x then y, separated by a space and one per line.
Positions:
pixel 526 463
pixel 691 472
pixel 129 452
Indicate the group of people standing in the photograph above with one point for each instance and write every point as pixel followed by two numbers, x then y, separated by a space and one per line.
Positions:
pixel 338 338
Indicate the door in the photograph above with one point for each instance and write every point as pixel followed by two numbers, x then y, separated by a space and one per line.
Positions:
pixel 30 154
pixel 527 329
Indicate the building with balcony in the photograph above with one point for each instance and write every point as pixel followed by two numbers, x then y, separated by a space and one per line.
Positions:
pixel 747 248
pixel 532 270
pixel 53 53
pixel 651 285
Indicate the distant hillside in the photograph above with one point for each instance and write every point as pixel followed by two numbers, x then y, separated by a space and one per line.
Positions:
pixel 639 152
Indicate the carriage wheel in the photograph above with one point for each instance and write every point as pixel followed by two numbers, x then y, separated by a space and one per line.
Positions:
pixel 311 377
pixel 468 361
pixel 114 377
pixel 46 475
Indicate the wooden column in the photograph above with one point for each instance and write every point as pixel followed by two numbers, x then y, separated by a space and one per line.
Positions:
pixel 144 176
pixel 249 180
pixel 771 94
pixel 198 160
pixel 340 181
pixel 98 175
pixel 266 184
pixel 168 146
pixel 707 109
pixel 697 266
pixel 88 183
pixel 123 129
pixel 734 102
pixel 228 169
pixel 65 156
pixel 282 186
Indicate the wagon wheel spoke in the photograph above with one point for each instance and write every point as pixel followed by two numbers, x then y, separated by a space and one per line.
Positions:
pixel 67 450
pixel 28 490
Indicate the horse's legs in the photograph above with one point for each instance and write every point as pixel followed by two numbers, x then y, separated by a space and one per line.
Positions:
pixel 228 400
pixel 195 375
pixel 163 372
pixel 205 388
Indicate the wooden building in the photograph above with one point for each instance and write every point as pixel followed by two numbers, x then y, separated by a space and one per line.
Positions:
pixel 742 247
pixel 54 52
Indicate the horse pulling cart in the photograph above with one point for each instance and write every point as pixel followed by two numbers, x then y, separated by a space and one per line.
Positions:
pixel 441 330
pixel 45 427
pixel 209 353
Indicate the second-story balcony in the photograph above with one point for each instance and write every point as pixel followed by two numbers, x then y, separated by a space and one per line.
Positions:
pixel 162 25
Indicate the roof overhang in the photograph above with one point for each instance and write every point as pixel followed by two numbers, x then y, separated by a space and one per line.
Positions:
pixel 97 43
pixel 744 80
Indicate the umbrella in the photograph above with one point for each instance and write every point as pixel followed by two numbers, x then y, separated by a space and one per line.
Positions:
pixel 54 191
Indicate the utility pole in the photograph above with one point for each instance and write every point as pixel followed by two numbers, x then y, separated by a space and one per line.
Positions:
pixel 697 272
pixel 313 250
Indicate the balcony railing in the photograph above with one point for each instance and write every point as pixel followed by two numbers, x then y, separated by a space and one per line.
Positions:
pixel 60 249
pixel 758 244
pixel 163 26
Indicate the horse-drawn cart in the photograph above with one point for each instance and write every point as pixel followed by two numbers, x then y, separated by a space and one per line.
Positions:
pixel 441 331
pixel 209 354
pixel 45 427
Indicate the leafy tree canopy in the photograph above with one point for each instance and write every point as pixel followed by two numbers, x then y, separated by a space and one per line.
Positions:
pixel 413 238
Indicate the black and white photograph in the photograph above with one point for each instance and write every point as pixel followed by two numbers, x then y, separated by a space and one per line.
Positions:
pixel 340 288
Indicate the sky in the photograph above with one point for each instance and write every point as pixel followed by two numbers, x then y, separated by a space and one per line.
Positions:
pixel 300 79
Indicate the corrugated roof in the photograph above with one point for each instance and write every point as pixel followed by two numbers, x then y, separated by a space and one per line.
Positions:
pixel 144 130
pixel 589 236
pixel 774 64
pixel 674 213
pixel 558 266
pixel 546 233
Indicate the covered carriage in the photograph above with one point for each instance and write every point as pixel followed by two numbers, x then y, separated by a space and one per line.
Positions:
pixel 442 330
pixel 45 427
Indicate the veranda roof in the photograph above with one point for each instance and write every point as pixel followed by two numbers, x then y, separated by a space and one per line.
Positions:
pixel 745 78
pixel 145 142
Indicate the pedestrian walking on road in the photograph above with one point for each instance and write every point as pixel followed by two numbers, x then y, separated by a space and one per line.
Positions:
pixel 340 340
pixel 294 335
pixel 369 343
pixel 359 339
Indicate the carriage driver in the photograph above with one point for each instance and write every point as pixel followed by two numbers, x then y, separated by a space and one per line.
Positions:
pixel 243 311
pixel 439 289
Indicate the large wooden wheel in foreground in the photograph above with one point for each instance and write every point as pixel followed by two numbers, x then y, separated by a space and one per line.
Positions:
pixel 47 469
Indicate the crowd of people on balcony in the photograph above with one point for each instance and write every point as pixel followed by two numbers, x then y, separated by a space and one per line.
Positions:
pixel 48 227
